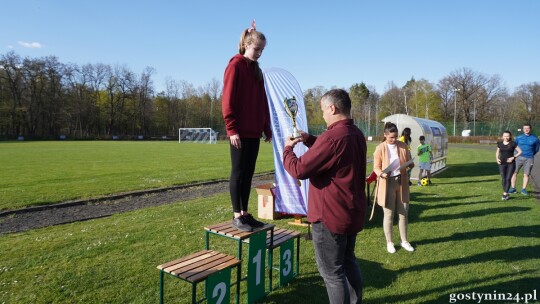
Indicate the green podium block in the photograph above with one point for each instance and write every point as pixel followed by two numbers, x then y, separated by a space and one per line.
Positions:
pixel 256 267
pixel 218 287
pixel 286 262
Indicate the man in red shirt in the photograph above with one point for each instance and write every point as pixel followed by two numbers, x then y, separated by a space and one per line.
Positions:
pixel 336 167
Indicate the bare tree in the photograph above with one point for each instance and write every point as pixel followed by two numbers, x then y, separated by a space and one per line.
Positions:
pixel 529 96
pixel 359 94
pixel 312 98
pixel 392 101
pixel 172 96
pixel 213 89
pixel 446 92
pixel 373 109
pixel 11 65
pixel 476 94
pixel 145 89
pixel 126 105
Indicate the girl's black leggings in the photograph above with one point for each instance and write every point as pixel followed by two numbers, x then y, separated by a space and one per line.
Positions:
pixel 507 170
pixel 243 162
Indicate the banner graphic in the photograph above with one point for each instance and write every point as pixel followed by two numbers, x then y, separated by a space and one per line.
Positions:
pixel 291 198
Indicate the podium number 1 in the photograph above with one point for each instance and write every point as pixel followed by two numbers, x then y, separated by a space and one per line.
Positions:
pixel 257 261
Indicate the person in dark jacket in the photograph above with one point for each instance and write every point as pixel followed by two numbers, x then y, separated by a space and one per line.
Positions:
pixel 336 167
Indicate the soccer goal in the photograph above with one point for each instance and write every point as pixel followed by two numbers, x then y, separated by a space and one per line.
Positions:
pixel 197 135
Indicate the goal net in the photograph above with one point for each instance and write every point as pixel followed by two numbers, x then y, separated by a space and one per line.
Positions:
pixel 197 135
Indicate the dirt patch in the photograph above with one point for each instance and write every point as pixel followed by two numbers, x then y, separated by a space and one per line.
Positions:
pixel 74 211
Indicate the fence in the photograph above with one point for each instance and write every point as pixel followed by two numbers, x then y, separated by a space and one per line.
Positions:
pixel 490 129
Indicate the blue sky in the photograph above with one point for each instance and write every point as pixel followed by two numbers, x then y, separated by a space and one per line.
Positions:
pixel 327 43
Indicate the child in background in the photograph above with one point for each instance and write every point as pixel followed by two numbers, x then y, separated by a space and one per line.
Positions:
pixel 406 138
pixel 425 157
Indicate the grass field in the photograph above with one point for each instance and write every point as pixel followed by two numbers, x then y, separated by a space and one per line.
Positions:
pixel 467 241
pixel 39 173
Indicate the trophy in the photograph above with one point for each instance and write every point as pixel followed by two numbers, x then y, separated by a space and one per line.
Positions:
pixel 291 107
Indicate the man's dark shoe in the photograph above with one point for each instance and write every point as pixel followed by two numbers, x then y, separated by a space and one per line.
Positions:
pixel 252 221
pixel 242 224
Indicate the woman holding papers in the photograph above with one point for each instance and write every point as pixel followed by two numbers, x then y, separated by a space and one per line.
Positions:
pixel 390 162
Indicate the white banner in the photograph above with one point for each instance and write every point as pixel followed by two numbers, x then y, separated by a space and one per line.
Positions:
pixel 280 84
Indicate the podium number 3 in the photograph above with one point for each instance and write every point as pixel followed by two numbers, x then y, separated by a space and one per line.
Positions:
pixel 287 260
pixel 220 290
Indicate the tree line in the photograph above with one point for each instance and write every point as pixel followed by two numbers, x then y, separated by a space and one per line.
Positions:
pixel 42 98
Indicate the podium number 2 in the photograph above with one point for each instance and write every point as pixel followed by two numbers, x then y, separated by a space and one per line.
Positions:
pixel 287 261
pixel 257 261
pixel 219 290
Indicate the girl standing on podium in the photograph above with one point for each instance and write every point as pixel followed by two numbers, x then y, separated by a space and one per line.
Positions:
pixel 246 116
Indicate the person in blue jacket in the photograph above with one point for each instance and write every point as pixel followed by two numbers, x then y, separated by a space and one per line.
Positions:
pixel 529 145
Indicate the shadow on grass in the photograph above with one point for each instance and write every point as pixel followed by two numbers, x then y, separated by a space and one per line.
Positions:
pixel 509 255
pixel 418 197
pixel 433 199
pixel 511 285
pixel 416 210
pixel 465 182
pixel 518 231
pixel 311 285
pixel 470 170
pixel 383 278
pixel 306 286
pixel 414 216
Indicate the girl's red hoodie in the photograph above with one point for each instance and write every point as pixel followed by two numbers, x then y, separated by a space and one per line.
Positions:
pixel 244 102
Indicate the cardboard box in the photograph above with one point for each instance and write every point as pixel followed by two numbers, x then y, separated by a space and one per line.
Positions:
pixel 266 202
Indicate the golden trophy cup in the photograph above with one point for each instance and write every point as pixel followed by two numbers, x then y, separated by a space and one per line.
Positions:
pixel 291 107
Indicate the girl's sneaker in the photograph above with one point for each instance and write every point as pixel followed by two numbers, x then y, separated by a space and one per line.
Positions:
pixel 407 246
pixel 390 247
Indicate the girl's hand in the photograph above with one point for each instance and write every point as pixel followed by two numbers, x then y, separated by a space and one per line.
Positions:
pixel 235 141
pixel 498 161
pixel 508 160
